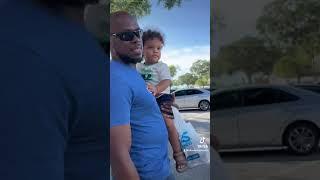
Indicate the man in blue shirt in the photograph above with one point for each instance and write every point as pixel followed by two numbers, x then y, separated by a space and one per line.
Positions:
pixel 138 136
pixel 53 94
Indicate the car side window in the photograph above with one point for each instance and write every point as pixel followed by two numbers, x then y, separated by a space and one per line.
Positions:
pixel 197 91
pixel 226 100
pixel 316 90
pixel 262 96
pixel 313 89
pixel 193 92
pixel 286 97
pixel 180 93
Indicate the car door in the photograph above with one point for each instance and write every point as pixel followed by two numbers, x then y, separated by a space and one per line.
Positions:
pixel 225 106
pixel 193 98
pixel 261 118
pixel 180 98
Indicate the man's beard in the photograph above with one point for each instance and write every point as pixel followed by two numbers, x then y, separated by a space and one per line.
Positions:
pixel 128 60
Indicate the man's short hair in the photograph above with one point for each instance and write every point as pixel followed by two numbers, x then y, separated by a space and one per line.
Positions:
pixel 118 14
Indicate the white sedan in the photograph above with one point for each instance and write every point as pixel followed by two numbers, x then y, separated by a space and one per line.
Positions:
pixel 192 98
pixel 267 116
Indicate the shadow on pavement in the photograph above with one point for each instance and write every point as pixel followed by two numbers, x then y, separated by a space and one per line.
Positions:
pixel 266 156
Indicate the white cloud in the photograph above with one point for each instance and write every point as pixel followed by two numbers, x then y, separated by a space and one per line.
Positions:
pixel 184 57
pixel 187 50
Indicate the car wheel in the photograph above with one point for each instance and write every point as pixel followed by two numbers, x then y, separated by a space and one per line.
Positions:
pixel 204 105
pixel 302 138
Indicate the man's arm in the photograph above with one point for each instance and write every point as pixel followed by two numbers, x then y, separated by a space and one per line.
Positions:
pixel 121 100
pixel 121 163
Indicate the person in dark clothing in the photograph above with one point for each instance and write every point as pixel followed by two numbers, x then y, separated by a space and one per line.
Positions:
pixel 53 95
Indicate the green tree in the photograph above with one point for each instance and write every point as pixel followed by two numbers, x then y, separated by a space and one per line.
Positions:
pixel 188 79
pixel 173 70
pixel 169 4
pixel 290 23
pixel 297 63
pixel 285 67
pixel 249 55
pixel 175 82
pixel 200 68
pixel 140 8
pixel 220 66
pixel 287 23
pixel 203 81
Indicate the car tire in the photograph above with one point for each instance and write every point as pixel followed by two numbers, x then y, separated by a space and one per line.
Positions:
pixel 204 105
pixel 302 138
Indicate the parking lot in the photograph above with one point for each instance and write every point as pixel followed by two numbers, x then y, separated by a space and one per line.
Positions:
pixel 271 165
pixel 252 165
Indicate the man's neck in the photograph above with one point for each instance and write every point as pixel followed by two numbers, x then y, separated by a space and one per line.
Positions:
pixel 120 61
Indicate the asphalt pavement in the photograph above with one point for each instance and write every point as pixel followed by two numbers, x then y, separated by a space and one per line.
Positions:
pixel 248 165
pixel 272 165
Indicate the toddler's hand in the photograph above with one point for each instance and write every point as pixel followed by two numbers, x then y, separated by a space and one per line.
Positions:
pixel 152 89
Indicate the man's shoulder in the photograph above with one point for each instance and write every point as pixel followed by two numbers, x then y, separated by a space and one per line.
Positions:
pixel 120 74
pixel 116 68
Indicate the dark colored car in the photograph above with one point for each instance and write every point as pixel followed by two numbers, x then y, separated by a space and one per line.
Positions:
pixel 311 87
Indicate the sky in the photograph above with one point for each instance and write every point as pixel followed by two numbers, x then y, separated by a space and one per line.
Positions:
pixel 186 29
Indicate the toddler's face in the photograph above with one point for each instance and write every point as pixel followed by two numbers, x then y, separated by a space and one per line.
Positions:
pixel 152 50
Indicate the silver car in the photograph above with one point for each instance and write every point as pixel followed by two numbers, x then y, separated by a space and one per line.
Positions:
pixel 192 98
pixel 267 116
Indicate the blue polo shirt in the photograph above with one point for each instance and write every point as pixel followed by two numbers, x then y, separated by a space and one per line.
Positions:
pixel 53 97
pixel 131 103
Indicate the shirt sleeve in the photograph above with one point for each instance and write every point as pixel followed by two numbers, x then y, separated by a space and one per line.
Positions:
pixel 33 115
pixel 164 72
pixel 120 101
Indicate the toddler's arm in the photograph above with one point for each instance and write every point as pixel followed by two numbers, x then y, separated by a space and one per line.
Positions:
pixel 163 85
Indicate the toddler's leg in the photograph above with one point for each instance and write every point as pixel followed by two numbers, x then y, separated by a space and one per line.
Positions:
pixel 181 162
